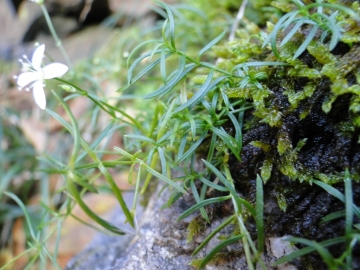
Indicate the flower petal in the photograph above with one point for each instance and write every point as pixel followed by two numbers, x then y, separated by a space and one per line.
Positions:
pixel 27 77
pixel 37 57
pixel 39 94
pixel 54 70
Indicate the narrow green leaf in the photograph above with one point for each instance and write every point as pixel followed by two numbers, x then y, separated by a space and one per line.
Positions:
pixel 165 137
pixel 136 193
pixel 141 138
pixel 198 200
pixel 337 194
pixel 74 192
pixel 48 209
pixel 163 31
pixel 211 44
pixel 175 132
pixel 306 42
pixel 334 29
pixel 153 155
pixel 138 47
pixel 218 248
pixel 212 147
pixel 155 119
pixel 8 176
pixel 135 63
pixel 165 120
pixel 182 146
pixel 292 32
pixel 117 192
pixel 164 178
pixel 102 135
pixel 332 216
pixel 201 204
pixel 162 160
pixel 238 133
pixel 171 23
pixel 334 6
pixel 201 93
pixel 214 103
pixel 212 234
pixel 97 101
pixel 123 152
pixel 291 19
pixel 256 64
pixel 335 37
pixel 307 250
pixel 320 248
pixel 152 162
pixel 75 131
pixel 148 68
pixel 123 113
pixel 349 214
pixel 260 214
pixel 130 79
pixel 212 185
pixel 333 191
pixel 230 188
pixel 192 125
pixel 182 71
pixel 84 184
pixel 61 120
pixel 25 211
pixel 172 199
pixel 211 66
pixel 163 65
pixel 272 36
pixel 192 149
pixel 226 100
pixel 228 140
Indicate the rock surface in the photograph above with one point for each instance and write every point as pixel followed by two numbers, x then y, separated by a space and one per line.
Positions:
pixel 161 243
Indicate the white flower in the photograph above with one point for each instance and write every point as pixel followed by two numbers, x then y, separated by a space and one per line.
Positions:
pixel 33 75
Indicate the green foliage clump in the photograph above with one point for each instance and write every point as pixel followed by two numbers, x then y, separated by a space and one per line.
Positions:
pixel 304 42
pixel 280 81
pixel 245 107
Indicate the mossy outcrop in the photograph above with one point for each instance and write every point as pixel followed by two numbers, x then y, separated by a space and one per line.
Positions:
pixel 304 125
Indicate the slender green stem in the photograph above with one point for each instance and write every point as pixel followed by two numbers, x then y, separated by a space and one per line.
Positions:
pixel 9 263
pixel 243 231
pixel 55 36
pixel 104 106
pixel 74 130
pixel 239 217
pixel 201 64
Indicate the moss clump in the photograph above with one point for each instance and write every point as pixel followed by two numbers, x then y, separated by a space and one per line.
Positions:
pixel 305 123
pixel 303 106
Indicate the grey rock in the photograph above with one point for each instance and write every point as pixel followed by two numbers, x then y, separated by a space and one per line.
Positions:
pixel 161 243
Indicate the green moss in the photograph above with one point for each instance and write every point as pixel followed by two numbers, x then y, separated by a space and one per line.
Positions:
pixel 321 53
pixel 196 226
pixel 271 116
pixel 266 169
pixel 295 97
pixel 294 91
pixel 281 201
pixel 264 146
